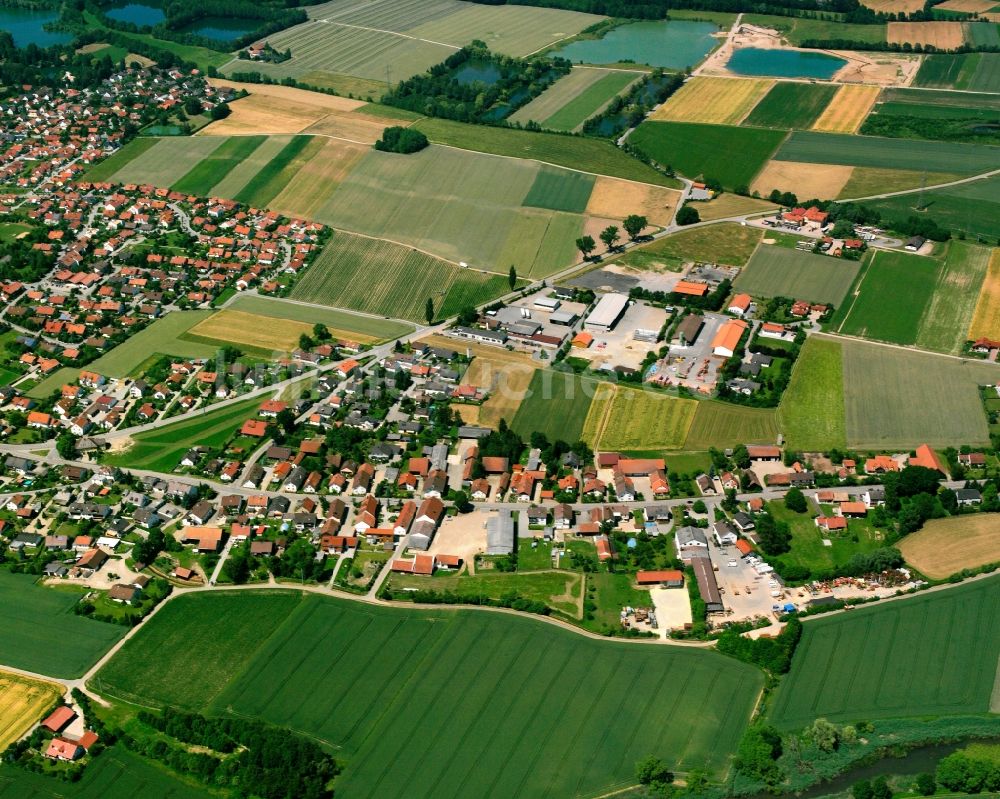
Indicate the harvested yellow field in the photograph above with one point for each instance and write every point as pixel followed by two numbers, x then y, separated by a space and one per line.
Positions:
pixel 967 6
pixel 277 109
pixel 263 333
pixel 354 127
pixel 819 181
pixel 986 319
pixel 893 6
pixel 316 180
pixel 848 109
pixel 945 546
pixel 617 199
pixel 711 100
pixel 729 204
pixel 24 702
pixel 941 35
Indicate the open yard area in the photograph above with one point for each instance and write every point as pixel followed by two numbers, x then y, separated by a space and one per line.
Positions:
pixel 986 318
pixel 622 418
pixel 783 272
pixel 944 547
pixel 880 383
pixel 812 408
pixel 934 654
pixel 704 151
pixel 718 424
pixel 557 404
pixel 871 151
pixel 596 725
pixel 714 100
pixel 24 703
pixel 33 617
pixel 161 449
pixel 344 276
pixel 791 105
pixel 848 109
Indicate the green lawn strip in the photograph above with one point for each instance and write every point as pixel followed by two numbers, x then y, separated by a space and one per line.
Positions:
pixel 870 316
pixel 163 336
pixel 574 152
pixel 589 102
pixel 106 169
pixel 276 174
pixel 721 425
pixel 209 172
pixel 811 414
pixel 945 323
pixel 556 404
pixel 932 655
pixel 33 617
pixel 472 289
pixel 705 151
pixel 791 105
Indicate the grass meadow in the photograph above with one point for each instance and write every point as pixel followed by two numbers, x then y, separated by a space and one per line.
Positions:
pixel 278 172
pixel 164 336
pixel 721 425
pixel 106 169
pixel 725 243
pixel 894 398
pixel 807 547
pixel 41 633
pixel 791 105
pixel 943 547
pixel 161 449
pixel 812 408
pixel 705 151
pixel 574 98
pixel 535 710
pixel 946 322
pixel 165 162
pixel 557 404
pixel 624 418
pixel 340 323
pixel 798 30
pixel 784 272
pixel 200 179
pixel 979 72
pixel 929 655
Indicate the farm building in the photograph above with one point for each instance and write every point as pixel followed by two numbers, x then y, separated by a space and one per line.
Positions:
pixel 727 340
pixel 668 578
pixel 707 586
pixel 689 328
pixel 500 534
pixel 607 313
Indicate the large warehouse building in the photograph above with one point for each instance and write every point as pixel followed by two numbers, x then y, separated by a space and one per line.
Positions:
pixel 606 314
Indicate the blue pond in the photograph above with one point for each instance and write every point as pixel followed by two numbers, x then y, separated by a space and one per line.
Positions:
pixel 671 44
pixel 136 13
pixel 481 71
pixel 26 26
pixel 223 30
pixel 784 63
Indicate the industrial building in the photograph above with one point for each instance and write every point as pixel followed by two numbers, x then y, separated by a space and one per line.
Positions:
pixel 609 310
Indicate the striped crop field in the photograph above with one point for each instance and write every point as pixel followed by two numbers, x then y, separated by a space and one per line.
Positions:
pixel 929 655
pixel 200 179
pixel 791 105
pixel 163 163
pixel 574 98
pixel 543 711
pixel 711 100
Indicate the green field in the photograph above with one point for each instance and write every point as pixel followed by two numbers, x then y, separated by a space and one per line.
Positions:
pixel 639 419
pixel 705 151
pixel 791 105
pixel 798 30
pixel 718 424
pixel 726 243
pixel 784 272
pixel 41 633
pixel 240 174
pixel 535 710
pixel 574 98
pixel 332 318
pixel 970 208
pixel 200 179
pixel 596 156
pixel 560 190
pixel 870 151
pixel 268 182
pixel 165 162
pixel 106 169
pixel 881 385
pixel 869 315
pixel 812 408
pixel 978 72
pixel 116 774
pixel 945 324
pixel 342 276
pixel 931 655
pixel 556 404
pixel 161 450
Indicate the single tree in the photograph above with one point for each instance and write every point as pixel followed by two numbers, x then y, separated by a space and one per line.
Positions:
pixel 321 332
pixel 881 789
pixel 687 215
pixel 652 771
pixel 862 789
pixel 512 277
pixel 306 342
pixel 429 310
pixel 586 245
pixel 795 500
pixel 926 784
pixel 634 225
pixel 610 237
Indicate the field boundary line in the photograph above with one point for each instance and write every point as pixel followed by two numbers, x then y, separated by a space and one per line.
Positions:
pixel 995 696
pixel 390 33
pixel 862 276
pixel 949 184
pixel 904 347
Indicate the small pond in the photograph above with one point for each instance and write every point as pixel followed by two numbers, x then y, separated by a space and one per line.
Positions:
pixel 671 44
pixel 140 14
pixel 27 27
pixel 223 29
pixel 784 63
pixel 481 71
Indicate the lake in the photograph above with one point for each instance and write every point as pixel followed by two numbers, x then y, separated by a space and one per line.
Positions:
pixel 223 29
pixel 136 13
pixel 475 71
pixel 671 44
pixel 25 25
pixel 784 63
